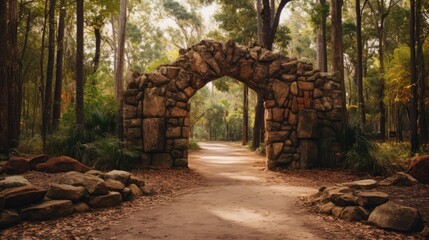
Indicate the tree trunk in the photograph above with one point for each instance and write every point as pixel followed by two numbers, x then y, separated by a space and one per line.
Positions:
pixel 4 96
pixel 337 59
pixel 14 91
pixel 97 34
pixel 56 112
pixel 322 56
pixel 413 81
pixel 21 69
pixel 422 126
pixel 381 87
pixel 80 78
pixel 120 63
pixel 245 136
pixel 361 103
pixel 46 117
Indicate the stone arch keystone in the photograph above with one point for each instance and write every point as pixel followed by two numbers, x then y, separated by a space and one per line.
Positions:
pixel 301 103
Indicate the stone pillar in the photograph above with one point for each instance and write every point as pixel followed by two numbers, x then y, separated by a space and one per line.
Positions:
pixel 308 134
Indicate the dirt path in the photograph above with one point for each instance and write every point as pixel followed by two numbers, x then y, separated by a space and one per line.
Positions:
pixel 240 201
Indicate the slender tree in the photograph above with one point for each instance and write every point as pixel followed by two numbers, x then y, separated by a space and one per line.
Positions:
pixel 47 106
pixel 56 111
pixel 4 96
pixel 322 55
pixel 119 74
pixel 421 73
pixel 413 80
pixel 80 78
pixel 359 72
pixel 14 87
pixel 268 20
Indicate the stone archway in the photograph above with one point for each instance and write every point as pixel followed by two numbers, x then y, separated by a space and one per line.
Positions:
pixel 299 101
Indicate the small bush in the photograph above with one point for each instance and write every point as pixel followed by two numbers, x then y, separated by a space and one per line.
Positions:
pixel 193 144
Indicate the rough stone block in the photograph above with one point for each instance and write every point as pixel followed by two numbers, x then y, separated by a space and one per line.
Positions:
pixel 162 160
pixel 153 134
pixel 308 124
pixel 153 104
pixel 309 153
pixel 173 132
pixel 281 91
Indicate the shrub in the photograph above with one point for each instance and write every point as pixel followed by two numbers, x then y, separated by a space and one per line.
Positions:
pixel 193 145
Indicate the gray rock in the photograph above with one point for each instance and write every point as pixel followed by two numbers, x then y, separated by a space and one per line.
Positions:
pixel 135 192
pixel 114 185
pixel 9 218
pixel 121 176
pixel 66 192
pixel 50 209
pixel 371 199
pixel 399 179
pixel 110 200
pixel 80 207
pixel 354 213
pixel 13 181
pixel 396 217
pixel 361 184
pixel 93 184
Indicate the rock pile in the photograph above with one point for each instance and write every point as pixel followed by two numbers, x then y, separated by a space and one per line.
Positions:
pixel 358 201
pixel 75 192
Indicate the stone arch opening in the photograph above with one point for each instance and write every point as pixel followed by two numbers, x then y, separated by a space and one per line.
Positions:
pixel 299 102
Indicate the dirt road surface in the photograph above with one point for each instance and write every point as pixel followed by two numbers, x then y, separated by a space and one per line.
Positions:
pixel 239 201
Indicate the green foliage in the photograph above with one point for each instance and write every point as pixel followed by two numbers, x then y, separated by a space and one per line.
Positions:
pixel 193 145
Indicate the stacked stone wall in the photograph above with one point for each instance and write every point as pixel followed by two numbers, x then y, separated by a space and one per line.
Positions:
pixel 301 103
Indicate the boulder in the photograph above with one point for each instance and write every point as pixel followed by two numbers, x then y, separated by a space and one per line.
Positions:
pixel 110 200
pixel 424 234
pixel 96 173
pixel 354 213
pixel 396 217
pixel 343 200
pixel 80 207
pixel 135 192
pixel 66 192
pixel 333 192
pixel 119 175
pixel 21 196
pixel 114 185
pixel 336 211
pixel 94 185
pixel 371 199
pixel 137 181
pixel 361 184
pixel 326 208
pixel 34 160
pixel 125 193
pixel 61 164
pixel 399 179
pixel 419 168
pixel 46 210
pixel 17 165
pixel 13 181
pixel 9 218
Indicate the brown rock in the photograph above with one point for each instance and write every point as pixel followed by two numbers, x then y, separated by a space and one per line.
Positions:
pixel 419 168
pixel 80 207
pixel 135 192
pixel 326 208
pixel 62 164
pixel 396 217
pixel 66 192
pixel 46 210
pixel 281 92
pixel 8 218
pixel 13 181
pixel 17 165
pixel 21 196
pixel 371 199
pixel 361 184
pixel 174 132
pixel 114 185
pixel 354 213
pixel 110 200
pixel 399 179
pixel 119 175
pixel 306 86
pixel 273 150
pixel 94 185
pixel 153 104
pixel 34 160
pixel 344 200
pixel 308 126
pixel 336 211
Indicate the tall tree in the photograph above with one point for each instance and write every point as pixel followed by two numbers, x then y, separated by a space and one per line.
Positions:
pixel 337 58
pixel 379 14
pixel 120 62
pixel 47 103
pixel 359 70
pixel 421 73
pixel 4 96
pixel 80 77
pixel 322 55
pixel 413 80
pixel 56 111
pixel 270 17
